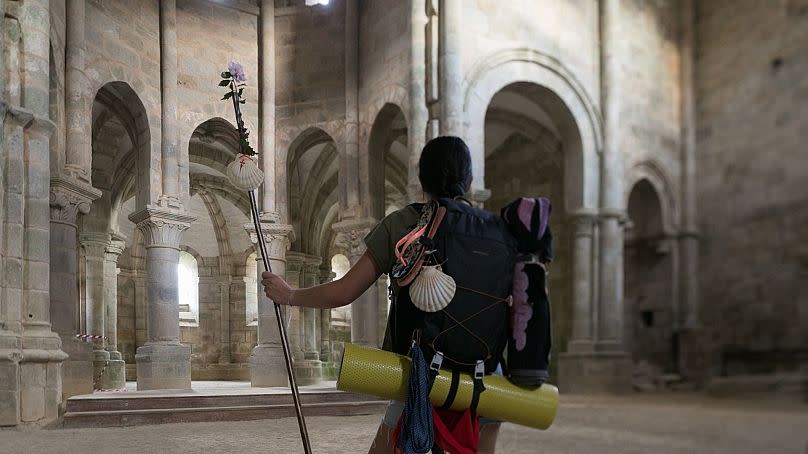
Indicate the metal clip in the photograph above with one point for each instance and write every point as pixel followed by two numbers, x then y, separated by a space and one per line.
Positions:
pixel 437 361
pixel 479 370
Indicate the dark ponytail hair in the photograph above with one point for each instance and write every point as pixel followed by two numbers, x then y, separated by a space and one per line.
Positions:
pixel 445 167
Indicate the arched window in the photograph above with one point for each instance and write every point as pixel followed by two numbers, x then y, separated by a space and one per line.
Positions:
pixel 188 285
pixel 341 316
pixel 340 266
pixel 251 289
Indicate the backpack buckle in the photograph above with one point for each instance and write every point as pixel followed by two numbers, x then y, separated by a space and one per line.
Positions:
pixel 479 370
pixel 437 361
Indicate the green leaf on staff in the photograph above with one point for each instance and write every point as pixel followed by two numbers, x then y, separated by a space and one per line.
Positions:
pixel 243 101
pixel 224 83
pixel 227 95
pixel 240 91
pixel 227 75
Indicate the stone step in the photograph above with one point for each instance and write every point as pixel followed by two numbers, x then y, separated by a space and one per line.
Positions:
pixel 120 418
pixel 144 401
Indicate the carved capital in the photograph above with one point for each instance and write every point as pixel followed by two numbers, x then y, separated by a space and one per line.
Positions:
pixel 114 249
pixel 582 222
pixel 69 197
pixel 350 235
pixel 161 228
pixel 279 237
pixel 94 245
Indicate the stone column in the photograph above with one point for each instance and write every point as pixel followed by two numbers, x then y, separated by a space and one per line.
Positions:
pixel 168 91
pixel 325 276
pixel 95 245
pixel 419 115
pixel 224 282
pixel 349 177
pixel 162 362
pixel 266 105
pixel 595 359
pixel 311 278
pixel 267 365
pixel 310 370
pixel 432 71
pixel 294 276
pixel 612 212
pixel 582 227
pixel 30 352
pixel 692 362
pixel 68 198
pixel 365 310
pixel 77 97
pixel 451 69
pixel 114 377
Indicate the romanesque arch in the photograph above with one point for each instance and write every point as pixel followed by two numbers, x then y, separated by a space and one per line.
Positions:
pixel 387 161
pixel 650 252
pixel 563 98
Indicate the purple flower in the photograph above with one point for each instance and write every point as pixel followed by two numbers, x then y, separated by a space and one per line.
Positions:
pixel 237 71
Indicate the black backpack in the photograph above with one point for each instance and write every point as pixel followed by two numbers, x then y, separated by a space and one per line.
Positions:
pixel 475 248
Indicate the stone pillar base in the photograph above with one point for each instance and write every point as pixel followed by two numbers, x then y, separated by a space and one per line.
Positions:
pixel 308 372
pixel 100 365
pixel 10 388
pixel 163 366
pixel 77 369
pixel 114 376
pixel 267 367
pixel 694 359
pixel 594 372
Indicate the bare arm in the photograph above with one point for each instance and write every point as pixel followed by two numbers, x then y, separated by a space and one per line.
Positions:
pixel 326 296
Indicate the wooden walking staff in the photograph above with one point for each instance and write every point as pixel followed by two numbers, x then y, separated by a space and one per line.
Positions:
pixel 245 174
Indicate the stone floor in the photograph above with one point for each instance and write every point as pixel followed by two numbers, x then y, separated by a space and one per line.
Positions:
pixel 680 423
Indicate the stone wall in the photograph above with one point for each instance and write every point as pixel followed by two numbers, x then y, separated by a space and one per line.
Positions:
pixel 123 44
pixel 650 109
pixel 753 208
pixel 310 64
pixel 209 36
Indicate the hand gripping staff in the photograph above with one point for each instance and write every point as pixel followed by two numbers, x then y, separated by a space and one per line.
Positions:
pixel 245 174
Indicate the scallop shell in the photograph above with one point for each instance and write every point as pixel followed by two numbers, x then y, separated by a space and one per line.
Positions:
pixel 433 289
pixel 244 173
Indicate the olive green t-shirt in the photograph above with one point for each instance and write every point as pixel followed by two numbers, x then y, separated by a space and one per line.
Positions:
pixel 381 241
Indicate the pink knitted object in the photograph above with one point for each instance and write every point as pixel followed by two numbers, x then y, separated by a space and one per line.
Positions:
pixel 521 312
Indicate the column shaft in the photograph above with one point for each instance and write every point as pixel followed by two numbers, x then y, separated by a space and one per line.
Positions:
pixel 266 106
pixel 451 67
pixel 267 366
pixel 419 115
pixel 68 199
pixel 365 310
pixel 689 244
pixel 582 329
pixel 162 362
pixel 77 110
pixel 168 91
pixel 349 160
pixel 114 376
pixel 612 196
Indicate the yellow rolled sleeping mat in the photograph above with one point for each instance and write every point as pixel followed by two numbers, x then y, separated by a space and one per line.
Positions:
pixel 385 374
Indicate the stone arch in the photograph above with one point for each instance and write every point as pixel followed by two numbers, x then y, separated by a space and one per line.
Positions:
pixel 650 261
pixel 115 106
pixel 651 172
pixel 103 75
pixel 308 139
pixel 567 101
pixel 219 230
pixel 288 140
pixel 387 167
